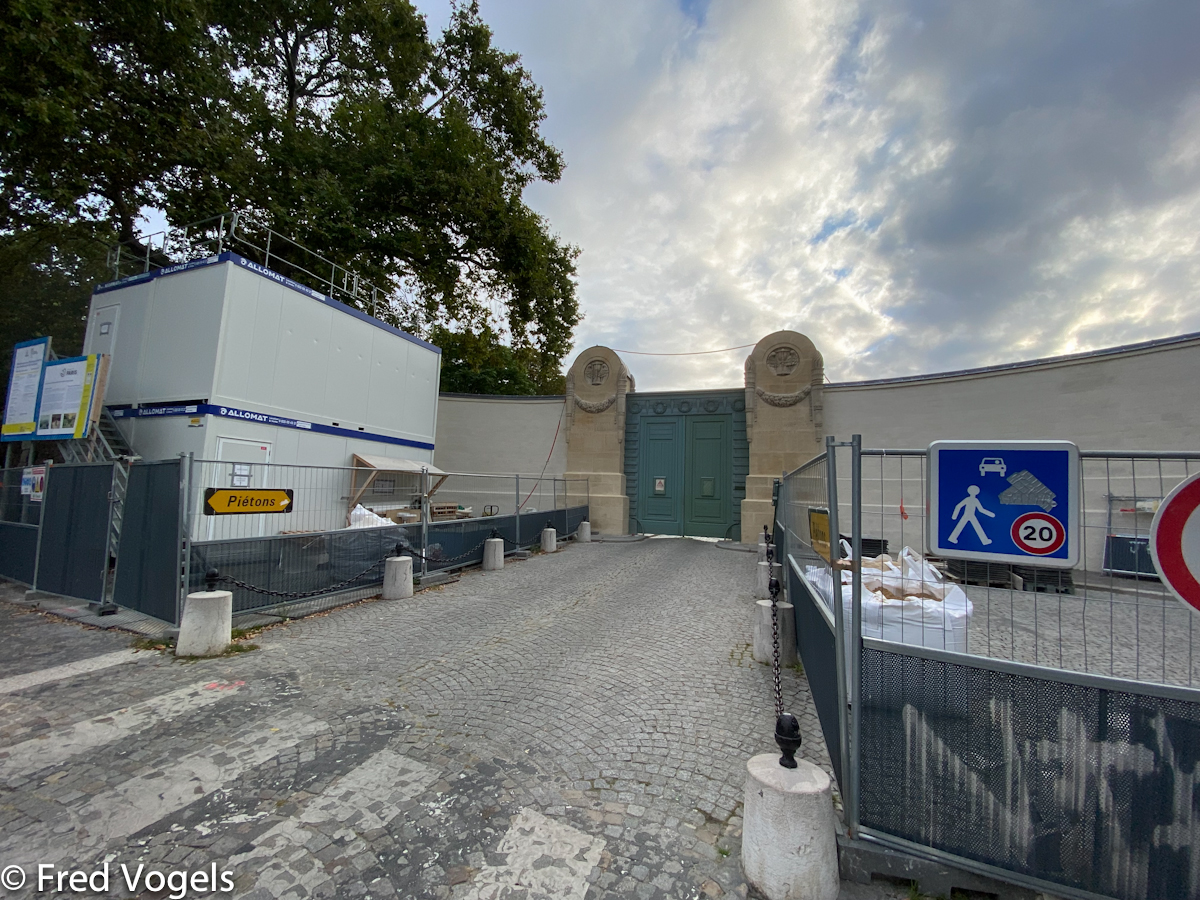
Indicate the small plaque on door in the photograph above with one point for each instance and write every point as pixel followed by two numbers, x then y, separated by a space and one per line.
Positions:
pixel 708 487
pixel 660 485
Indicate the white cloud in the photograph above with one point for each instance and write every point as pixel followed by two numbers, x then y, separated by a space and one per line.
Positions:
pixel 915 185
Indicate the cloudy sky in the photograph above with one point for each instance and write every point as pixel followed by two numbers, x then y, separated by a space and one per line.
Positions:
pixel 917 186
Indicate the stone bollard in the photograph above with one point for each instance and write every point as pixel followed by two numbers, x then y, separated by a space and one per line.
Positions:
pixel 762 587
pixel 762 548
pixel 549 540
pixel 764 644
pixel 398 578
pixel 207 626
pixel 584 534
pixel 493 554
pixel 789 847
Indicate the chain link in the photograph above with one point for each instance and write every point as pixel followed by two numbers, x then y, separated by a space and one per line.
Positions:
pixel 405 548
pixel 300 595
pixel 416 554
pixel 296 595
pixel 773 587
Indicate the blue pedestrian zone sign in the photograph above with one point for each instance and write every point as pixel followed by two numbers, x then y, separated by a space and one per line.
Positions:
pixel 1005 501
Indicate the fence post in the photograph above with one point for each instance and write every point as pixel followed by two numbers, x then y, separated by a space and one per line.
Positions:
pixel 839 649
pixel 107 591
pixel 185 531
pixel 852 806
pixel 424 521
pixel 37 553
pixel 517 515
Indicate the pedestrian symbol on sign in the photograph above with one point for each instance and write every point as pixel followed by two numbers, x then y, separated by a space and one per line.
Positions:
pixel 968 507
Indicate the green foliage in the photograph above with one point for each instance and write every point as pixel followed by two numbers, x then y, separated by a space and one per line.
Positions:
pixel 46 278
pixel 477 363
pixel 340 123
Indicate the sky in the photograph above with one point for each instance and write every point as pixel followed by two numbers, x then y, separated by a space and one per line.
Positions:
pixel 917 186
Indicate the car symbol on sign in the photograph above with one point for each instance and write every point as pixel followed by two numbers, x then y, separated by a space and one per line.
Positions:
pixel 992 464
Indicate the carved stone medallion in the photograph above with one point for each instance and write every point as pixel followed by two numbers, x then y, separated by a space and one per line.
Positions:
pixel 782 360
pixel 596 372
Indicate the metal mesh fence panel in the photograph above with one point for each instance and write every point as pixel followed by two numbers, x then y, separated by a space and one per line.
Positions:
pixel 15 506
pixel 347 563
pixel 147 576
pixel 19 520
pixel 73 559
pixel 808 576
pixel 1085 783
pixel 1107 616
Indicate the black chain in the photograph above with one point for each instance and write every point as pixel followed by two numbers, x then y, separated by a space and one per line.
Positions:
pixel 442 559
pixel 519 546
pixel 295 595
pixel 300 595
pixel 773 586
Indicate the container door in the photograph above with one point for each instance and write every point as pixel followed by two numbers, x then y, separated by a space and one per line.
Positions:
pixel 102 329
pixel 243 465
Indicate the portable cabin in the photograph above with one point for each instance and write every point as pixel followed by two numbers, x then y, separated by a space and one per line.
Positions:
pixel 228 360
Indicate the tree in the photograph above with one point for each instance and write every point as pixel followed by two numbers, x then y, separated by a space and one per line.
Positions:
pixel 337 122
pixel 99 101
pixel 478 363
pixel 46 279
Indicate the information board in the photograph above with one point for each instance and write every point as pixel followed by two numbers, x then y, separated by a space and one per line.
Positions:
pixel 65 407
pixel 24 388
pixel 1005 501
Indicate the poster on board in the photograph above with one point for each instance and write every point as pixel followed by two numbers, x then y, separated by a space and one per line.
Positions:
pixel 65 409
pixel 24 388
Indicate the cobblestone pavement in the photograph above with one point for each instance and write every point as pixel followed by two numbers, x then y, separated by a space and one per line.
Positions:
pixel 575 726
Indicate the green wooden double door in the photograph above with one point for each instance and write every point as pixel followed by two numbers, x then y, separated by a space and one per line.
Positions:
pixel 685 475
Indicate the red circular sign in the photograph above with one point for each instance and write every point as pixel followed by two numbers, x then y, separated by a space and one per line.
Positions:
pixel 1175 541
pixel 1038 533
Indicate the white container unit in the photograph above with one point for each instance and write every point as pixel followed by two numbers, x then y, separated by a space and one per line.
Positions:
pixel 228 360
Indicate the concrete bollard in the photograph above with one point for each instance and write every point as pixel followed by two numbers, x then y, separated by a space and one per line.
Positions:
pixel 584 534
pixel 762 586
pixel 207 625
pixel 549 540
pixel 493 554
pixel 762 548
pixel 789 847
pixel 398 578
pixel 764 644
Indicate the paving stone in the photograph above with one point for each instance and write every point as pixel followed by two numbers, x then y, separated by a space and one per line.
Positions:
pixel 606 689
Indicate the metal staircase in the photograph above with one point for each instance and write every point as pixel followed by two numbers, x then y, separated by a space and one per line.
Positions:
pixel 107 444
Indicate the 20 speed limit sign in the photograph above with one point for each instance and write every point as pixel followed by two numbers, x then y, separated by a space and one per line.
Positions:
pixel 1175 542
pixel 1038 533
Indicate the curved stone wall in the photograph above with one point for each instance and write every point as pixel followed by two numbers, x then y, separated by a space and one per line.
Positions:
pixel 1140 397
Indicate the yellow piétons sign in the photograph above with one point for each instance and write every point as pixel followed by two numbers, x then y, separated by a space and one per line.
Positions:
pixel 246 501
pixel 818 532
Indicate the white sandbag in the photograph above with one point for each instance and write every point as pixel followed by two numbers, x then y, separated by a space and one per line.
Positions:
pixel 821 579
pixel 922 621
pixel 909 602
pixel 361 517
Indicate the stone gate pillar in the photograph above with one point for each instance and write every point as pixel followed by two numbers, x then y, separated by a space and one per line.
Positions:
pixel 784 400
pixel 596 387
